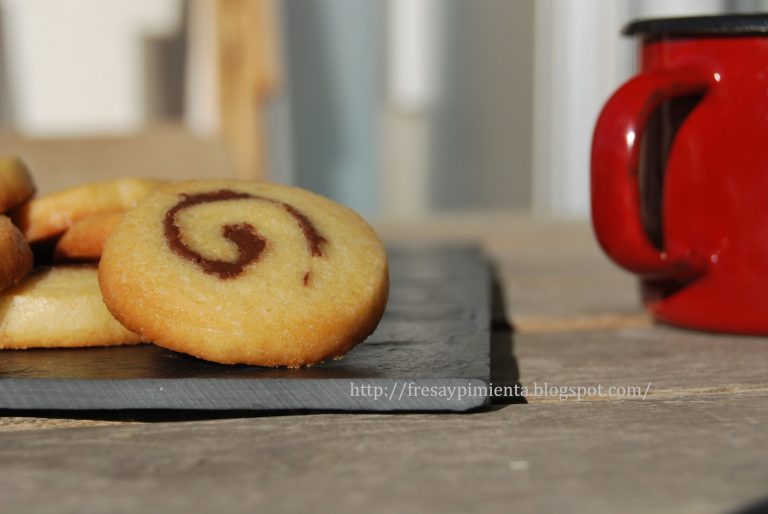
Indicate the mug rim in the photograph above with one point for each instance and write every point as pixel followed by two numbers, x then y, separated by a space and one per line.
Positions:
pixel 712 25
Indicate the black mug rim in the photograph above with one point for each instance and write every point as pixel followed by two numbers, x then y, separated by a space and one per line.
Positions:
pixel 691 26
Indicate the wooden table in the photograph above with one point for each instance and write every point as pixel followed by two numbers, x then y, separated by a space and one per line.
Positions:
pixel 697 443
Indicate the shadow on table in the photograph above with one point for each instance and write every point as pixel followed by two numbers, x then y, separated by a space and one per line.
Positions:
pixel 760 507
pixel 505 372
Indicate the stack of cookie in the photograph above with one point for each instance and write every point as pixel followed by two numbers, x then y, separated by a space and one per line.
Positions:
pixel 229 271
pixel 57 306
pixel 16 187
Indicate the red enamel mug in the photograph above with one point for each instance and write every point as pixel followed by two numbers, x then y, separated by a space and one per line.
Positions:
pixel 680 172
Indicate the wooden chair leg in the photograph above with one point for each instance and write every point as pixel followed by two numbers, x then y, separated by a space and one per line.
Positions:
pixel 248 65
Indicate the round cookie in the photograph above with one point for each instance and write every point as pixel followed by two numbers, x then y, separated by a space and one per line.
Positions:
pixel 15 254
pixel 84 240
pixel 50 215
pixel 16 185
pixel 58 308
pixel 245 272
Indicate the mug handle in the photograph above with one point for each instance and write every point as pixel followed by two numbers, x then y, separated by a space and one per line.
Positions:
pixel 615 186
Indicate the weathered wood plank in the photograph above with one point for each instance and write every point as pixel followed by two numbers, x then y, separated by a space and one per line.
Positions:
pixel 696 444
pixel 551 323
pixel 675 362
pixel 702 455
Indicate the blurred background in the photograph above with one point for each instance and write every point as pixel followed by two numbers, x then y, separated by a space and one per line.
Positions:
pixel 401 109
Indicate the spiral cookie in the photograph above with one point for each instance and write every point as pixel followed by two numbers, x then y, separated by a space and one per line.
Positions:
pixel 16 184
pixel 84 240
pixel 245 272
pixel 52 214
pixel 56 308
pixel 15 254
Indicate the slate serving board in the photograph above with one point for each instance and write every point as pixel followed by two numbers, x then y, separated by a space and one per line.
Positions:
pixel 430 352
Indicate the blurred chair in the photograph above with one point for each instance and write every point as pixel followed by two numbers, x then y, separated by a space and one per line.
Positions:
pixel 249 71
pixel 238 39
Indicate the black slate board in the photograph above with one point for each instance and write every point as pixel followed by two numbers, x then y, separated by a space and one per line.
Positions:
pixel 431 347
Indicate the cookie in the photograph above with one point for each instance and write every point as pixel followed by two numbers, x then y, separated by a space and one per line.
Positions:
pixel 16 185
pixel 52 214
pixel 57 308
pixel 245 272
pixel 15 254
pixel 84 240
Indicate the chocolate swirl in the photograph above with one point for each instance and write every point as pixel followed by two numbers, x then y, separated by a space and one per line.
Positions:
pixel 250 244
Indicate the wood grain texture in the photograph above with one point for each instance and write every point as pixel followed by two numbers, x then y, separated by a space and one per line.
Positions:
pixel 549 269
pixel 692 455
pixel 697 444
pixel 674 362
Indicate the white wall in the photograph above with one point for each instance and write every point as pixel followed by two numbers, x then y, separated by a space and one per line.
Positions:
pixel 75 66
